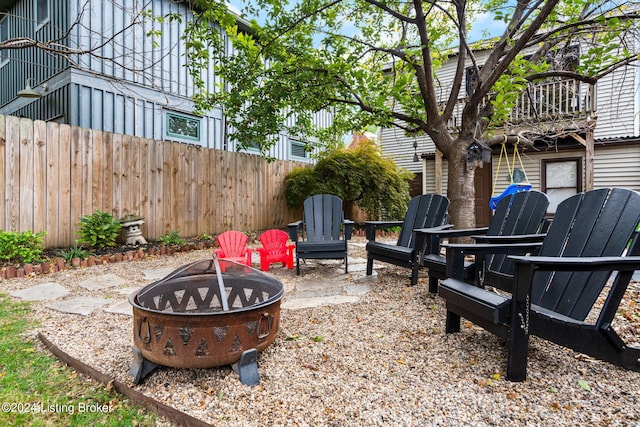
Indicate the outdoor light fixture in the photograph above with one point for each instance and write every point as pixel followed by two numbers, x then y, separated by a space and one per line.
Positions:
pixel 29 92
pixel 415 151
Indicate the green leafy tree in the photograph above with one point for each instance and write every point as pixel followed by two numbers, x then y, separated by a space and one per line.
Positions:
pixel 358 176
pixel 377 62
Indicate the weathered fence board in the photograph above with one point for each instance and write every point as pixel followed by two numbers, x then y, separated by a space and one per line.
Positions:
pixel 52 174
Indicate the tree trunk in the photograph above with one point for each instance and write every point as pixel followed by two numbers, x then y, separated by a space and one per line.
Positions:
pixel 461 191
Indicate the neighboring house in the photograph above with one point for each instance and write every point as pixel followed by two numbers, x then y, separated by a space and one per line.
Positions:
pixel 557 166
pixel 134 83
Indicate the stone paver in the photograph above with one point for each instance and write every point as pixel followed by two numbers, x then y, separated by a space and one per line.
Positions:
pixel 121 307
pixel 127 291
pixel 81 305
pixel 45 291
pixel 335 288
pixel 296 303
pixel 103 282
pixel 158 273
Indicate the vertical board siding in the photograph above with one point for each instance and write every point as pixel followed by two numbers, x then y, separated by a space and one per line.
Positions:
pixel 53 174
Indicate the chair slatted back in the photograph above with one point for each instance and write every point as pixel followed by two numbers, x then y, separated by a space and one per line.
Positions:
pixel 520 213
pixel 233 243
pixel 274 241
pixel 596 223
pixel 424 211
pixel 323 217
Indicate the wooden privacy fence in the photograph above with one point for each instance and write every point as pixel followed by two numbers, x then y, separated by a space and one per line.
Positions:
pixel 53 174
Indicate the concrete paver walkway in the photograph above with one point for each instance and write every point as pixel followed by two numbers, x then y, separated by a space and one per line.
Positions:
pixel 335 288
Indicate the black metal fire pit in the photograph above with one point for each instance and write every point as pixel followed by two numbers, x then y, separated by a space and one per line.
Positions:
pixel 205 314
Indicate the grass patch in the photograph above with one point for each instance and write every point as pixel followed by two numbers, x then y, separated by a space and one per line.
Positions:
pixel 37 390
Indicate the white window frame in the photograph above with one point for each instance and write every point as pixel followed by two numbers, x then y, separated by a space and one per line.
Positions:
pixel 178 136
pixel 297 142
pixel 4 35
pixel 41 20
pixel 562 190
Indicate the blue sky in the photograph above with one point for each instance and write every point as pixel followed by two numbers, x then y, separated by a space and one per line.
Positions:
pixel 484 27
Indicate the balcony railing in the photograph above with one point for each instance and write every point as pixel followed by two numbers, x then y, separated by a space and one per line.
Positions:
pixel 552 101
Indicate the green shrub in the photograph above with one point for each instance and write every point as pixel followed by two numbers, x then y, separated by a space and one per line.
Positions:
pixel 74 252
pixel 172 238
pixel 99 229
pixel 359 175
pixel 25 247
pixel 300 183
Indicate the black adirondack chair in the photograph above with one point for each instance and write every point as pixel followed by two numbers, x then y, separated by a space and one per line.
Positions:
pixel 591 237
pixel 427 210
pixel 518 216
pixel 324 230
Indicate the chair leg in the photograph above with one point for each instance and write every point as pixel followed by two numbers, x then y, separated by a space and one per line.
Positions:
pixel 369 266
pixel 518 343
pixel 297 266
pixel 433 285
pixel 452 323
pixel 414 274
pixel 346 265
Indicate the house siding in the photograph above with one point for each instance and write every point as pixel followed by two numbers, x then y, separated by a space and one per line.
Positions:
pixel 130 95
pixel 617 113
pixel 617 104
pixel 617 166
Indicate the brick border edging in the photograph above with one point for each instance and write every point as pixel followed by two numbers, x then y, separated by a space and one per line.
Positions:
pixel 58 264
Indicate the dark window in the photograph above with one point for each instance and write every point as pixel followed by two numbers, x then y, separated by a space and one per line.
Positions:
pixel 471 79
pixel 4 35
pixel 42 11
pixel 298 149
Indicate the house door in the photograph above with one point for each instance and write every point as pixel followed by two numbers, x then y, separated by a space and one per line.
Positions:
pixel 483 184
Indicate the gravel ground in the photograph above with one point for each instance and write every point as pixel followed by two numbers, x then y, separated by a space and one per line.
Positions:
pixel 383 361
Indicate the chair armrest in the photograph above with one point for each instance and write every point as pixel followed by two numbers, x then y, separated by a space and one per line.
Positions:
pixel 457 252
pixel 446 231
pixel 548 263
pixel 370 227
pixel 521 238
pixel 292 228
pixel 348 228
pixel 526 265
pixel 428 239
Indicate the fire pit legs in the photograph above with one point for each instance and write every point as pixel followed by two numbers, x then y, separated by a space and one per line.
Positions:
pixel 140 367
pixel 247 368
pixel 205 315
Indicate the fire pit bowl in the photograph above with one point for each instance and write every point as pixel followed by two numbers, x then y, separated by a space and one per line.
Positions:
pixel 182 321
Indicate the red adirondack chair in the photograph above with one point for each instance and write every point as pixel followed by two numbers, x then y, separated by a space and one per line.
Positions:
pixel 233 246
pixel 275 249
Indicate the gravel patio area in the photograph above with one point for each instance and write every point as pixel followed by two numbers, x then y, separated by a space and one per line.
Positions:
pixel 384 360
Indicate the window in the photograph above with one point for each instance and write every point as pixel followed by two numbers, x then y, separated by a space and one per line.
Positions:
pixel 298 149
pixel 4 35
pixel 564 59
pixel 561 179
pixel 183 127
pixel 471 79
pixel 42 12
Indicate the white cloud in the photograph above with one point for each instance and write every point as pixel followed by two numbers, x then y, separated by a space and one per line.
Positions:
pixel 484 27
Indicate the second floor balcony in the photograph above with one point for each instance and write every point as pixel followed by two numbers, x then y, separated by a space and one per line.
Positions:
pixel 557 105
